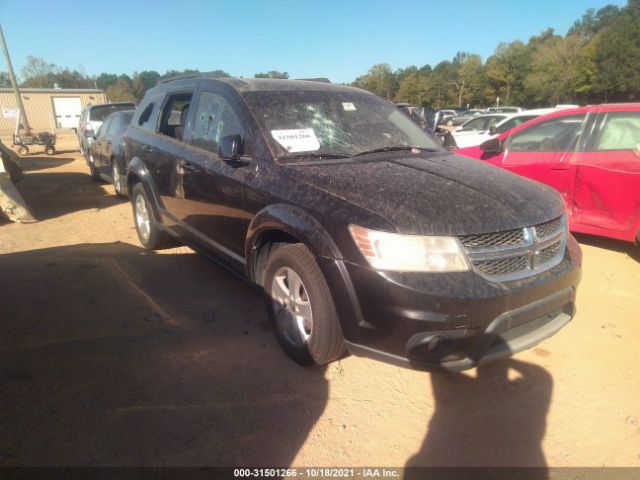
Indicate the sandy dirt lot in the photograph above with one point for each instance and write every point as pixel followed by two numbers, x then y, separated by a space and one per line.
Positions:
pixel 112 355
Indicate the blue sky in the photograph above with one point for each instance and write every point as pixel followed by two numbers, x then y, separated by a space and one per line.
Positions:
pixel 336 39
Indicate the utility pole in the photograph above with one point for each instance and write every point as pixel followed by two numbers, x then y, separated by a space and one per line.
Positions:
pixel 14 84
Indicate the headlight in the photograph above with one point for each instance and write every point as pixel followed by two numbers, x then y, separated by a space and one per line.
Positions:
pixel 409 253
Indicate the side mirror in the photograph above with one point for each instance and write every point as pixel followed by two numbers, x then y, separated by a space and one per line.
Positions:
pixel 492 130
pixel 493 145
pixel 229 146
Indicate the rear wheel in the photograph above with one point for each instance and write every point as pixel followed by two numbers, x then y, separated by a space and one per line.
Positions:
pixel 116 178
pixel 301 308
pixel 23 151
pixel 50 150
pixel 92 169
pixel 150 234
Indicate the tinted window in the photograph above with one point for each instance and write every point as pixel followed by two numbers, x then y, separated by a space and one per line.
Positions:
pixel 214 119
pixel 555 135
pixel 103 130
pixel 620 131
pixel 124 121
pixel 514 122
pixel 482 123
pixel 147 120
pixel 100 112
pixel 174 115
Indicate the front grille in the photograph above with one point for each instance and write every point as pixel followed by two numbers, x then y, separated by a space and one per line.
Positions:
pixel 515 254
pixel 510 237
pixel 545 229
pixel 549 253
pixel 502 266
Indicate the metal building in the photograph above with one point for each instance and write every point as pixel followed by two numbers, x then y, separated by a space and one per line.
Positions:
pixel 48 109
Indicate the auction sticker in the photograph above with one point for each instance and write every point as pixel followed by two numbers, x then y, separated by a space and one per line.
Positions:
pixel 297 140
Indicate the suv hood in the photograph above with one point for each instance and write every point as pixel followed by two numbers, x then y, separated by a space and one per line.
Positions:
pixel 435 194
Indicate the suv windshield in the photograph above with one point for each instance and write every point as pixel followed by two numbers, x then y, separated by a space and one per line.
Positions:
pixel 310 124
pixel 100 112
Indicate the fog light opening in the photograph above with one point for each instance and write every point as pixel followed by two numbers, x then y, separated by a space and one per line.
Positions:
pixel 438 345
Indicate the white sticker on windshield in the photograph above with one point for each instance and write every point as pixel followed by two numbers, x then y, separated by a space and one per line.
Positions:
pixel 297 140
pixel 348 107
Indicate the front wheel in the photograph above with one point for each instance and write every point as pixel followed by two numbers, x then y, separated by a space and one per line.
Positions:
pixel 301 308
pixel 50 150
pixel 23 151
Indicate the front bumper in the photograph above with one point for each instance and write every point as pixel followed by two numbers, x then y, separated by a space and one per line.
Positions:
pixel 450 321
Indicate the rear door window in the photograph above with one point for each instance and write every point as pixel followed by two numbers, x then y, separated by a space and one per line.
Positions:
pixel 174 115
pixel 620 131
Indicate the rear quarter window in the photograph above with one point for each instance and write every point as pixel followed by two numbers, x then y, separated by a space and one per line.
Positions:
pixel 100 112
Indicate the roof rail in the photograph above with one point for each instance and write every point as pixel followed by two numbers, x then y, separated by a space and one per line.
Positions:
pixel 319 79
pixel 179 77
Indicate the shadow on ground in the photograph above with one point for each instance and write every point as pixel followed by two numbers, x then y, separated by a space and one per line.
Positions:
pixel 112 355
pixel 633 251
pixel 494 419
pixel 53 194
pixel 30 164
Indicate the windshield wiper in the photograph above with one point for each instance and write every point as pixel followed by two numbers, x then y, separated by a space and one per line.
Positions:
pixel 395 148
pixel 301 156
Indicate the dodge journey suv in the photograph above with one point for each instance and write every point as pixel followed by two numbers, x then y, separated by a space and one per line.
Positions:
pixel 364 234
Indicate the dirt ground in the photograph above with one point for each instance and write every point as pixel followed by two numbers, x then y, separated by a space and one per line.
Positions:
pixel 112 355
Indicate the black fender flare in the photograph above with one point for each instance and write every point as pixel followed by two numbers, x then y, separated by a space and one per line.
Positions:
pixel 137 169
pixel 298 223
pixel 293 221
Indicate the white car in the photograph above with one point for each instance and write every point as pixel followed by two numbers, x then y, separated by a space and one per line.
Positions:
pixel 469 134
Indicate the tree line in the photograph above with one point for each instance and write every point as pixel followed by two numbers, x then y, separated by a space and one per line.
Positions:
pixel 598 60
pixel 38 73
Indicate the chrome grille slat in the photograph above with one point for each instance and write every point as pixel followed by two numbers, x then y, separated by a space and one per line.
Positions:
pixel 515 254
pixel 499 239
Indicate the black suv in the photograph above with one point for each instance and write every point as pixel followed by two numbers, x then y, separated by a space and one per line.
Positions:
pixel 364 234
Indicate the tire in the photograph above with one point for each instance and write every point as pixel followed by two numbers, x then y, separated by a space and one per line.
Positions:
pixel 116 178
pixel 50 150
pixel 95 176
pixel 150 234
pixel 23 151
pixel 312 339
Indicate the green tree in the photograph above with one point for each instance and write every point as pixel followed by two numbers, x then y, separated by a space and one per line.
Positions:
pixel 5 82
pixel 380 80
pixel 505 71
pixel 413 89
pixel 106 80
pixel 617 58
pixel 272 74
pixel 37 67
pixel 143 81
pixel 121 91
pixel 554 70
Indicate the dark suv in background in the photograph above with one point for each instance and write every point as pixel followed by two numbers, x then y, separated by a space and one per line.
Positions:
pixel 364 234
pixel 91 119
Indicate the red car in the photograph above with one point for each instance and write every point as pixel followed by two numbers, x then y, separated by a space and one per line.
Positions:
pixel 591 155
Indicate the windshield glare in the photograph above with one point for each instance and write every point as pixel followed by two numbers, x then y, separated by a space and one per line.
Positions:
pixel 316 123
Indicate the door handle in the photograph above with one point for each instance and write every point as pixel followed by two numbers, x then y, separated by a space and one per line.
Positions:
pixel 186 165
pixel 147 149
